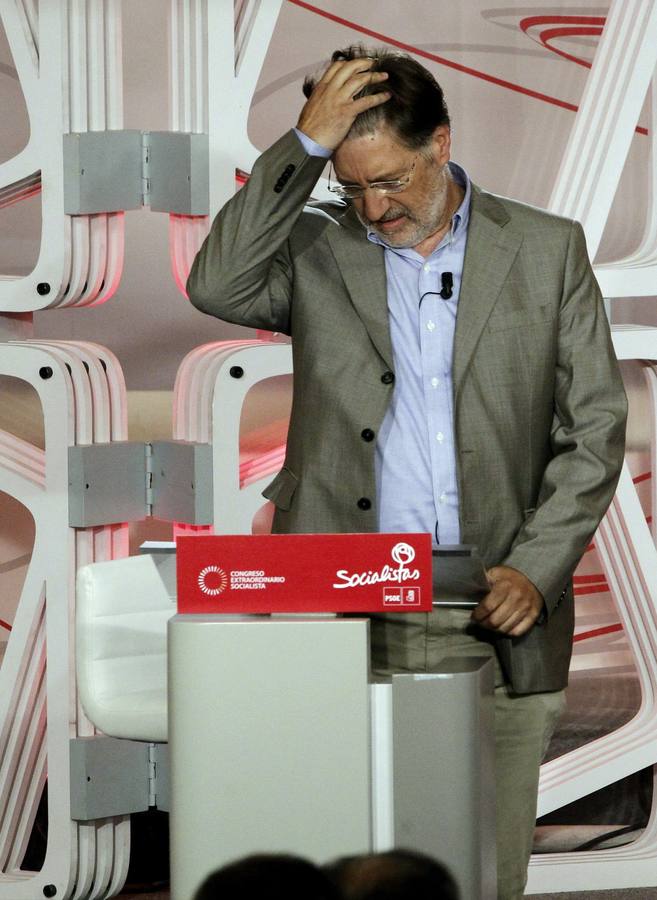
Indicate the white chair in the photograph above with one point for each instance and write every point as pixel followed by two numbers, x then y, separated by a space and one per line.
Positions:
pixel 121 634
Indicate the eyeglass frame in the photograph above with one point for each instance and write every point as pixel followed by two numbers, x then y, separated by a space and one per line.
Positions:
pixel 395 186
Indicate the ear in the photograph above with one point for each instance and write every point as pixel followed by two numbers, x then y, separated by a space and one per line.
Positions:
pixel 441 144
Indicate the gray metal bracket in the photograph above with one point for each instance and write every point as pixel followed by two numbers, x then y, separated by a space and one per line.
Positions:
pixel 114 777
pixel 102 172
pixel 178 173
pixel 107 483
pixel 124 482
pixel 178 469
pixel 160 781
pixel 109 171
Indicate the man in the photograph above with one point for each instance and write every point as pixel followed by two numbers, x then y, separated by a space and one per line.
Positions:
pixel 453 373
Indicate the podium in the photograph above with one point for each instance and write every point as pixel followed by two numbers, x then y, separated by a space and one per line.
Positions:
pixel 279 742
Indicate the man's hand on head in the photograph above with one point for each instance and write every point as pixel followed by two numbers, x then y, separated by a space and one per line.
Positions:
pixel 512 605
pixel 331 109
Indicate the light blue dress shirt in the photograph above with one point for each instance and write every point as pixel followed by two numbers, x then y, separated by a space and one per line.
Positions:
pixel 415 451
pixel 415 458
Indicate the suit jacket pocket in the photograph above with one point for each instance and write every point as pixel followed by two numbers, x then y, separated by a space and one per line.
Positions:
pixel 281 490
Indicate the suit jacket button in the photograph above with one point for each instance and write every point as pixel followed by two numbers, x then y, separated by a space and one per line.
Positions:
pixel 367 434
pixel 388 377
pixel 364 503
pixel 287 171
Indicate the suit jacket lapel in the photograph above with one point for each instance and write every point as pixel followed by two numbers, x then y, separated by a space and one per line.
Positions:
pixel 491 249
pixel 362 266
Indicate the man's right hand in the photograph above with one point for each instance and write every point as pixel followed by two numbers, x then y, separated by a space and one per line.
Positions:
pixel 331 109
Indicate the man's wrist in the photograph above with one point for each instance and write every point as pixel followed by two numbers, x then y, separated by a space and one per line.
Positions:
pixel 311 147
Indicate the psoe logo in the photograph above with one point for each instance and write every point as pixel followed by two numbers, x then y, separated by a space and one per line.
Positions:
pixel 402 554
pixel 401 596
pixel 212 580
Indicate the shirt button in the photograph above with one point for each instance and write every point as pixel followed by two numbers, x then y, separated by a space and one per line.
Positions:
pixel 367 434
pixel 443 498
pixel 440 437
pixel 435 382
pixel 364 503
pixel 388 377
pixel 431 325
pixel 427 268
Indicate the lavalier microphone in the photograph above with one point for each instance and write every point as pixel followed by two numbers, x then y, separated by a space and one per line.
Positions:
pixel 447 283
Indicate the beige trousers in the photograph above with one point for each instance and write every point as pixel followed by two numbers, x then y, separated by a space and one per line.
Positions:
pixel 523 724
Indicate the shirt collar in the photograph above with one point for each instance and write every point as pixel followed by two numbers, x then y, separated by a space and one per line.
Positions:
pixel 460 218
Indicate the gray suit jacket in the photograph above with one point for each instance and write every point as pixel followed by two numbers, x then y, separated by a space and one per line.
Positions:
pixel 539 406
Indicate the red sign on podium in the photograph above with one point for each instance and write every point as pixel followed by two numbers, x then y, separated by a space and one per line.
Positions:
pixel 304 573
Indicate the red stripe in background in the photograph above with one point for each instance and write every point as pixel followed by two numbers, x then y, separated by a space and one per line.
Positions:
pixel 530 21
pixel 573 26
pixel 551 33
pixel 588 579
pixel 441 60
pixel 591 589
pixel 597 632
pixel 5 625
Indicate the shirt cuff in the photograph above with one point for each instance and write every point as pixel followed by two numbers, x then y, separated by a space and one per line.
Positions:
pixel 311 148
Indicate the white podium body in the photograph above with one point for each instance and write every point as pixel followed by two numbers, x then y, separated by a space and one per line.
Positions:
pixel 278 743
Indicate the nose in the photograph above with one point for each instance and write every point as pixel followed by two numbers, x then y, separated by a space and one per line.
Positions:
pixel 375 204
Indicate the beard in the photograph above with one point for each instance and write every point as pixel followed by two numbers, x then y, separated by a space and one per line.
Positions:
pixel 419 220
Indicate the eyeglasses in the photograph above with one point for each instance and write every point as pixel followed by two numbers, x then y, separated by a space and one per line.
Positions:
pixel 353 191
